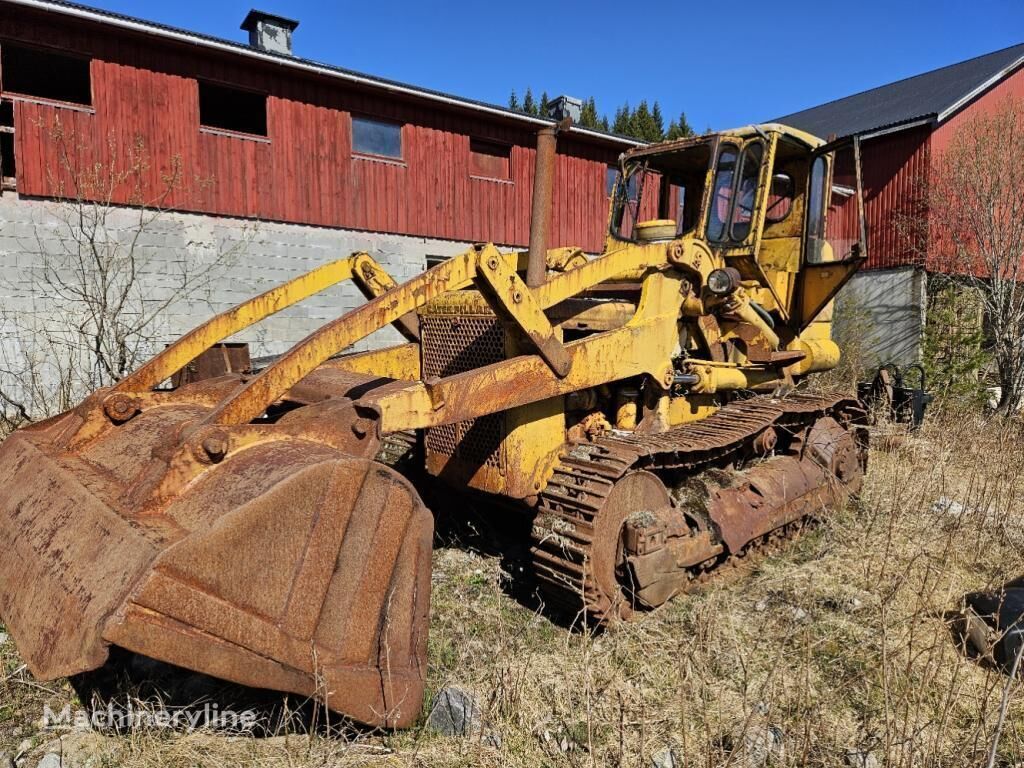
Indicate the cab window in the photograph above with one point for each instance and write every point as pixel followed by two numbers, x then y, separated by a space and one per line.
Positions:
pixel 734 195
pixel 780 198
pixel 816 211
pixel 721 194
pixel 746 192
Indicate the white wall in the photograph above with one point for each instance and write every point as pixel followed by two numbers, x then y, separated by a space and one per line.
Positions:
pixel 247 258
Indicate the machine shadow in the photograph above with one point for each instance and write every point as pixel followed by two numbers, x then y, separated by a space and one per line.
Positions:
pixel 133 693
pixel 500 528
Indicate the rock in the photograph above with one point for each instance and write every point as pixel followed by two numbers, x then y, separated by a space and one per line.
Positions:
pixel 946 506
pixel 4 639
pixel 665 758
pixel 76 750
pixel 454 712
pixel 6 760
pixel 763 746
pixel 556 739
pixel 493 739
pixel 858 758
pixel 799 614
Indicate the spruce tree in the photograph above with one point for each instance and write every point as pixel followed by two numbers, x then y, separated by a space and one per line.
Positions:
pixel 529 105
pixel 513 101
pixel 542 106
pixel 641 123
pixel 588 114
pixel 657 122
pixel 680 129
pixel 622 121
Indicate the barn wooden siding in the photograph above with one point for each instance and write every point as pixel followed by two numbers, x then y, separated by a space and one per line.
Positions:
pixel 941 249
pixel 895 176
pixel 145 90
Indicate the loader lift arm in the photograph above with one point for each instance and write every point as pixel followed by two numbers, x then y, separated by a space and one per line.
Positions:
pixel 270 385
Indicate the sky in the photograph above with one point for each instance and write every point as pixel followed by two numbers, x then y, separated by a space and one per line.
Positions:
pixel 723 64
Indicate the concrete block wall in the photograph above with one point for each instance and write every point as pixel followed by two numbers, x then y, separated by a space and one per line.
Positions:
pixel 883 311
pixel 236 260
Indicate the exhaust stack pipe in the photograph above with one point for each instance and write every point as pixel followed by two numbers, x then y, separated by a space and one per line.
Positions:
pixel 540 215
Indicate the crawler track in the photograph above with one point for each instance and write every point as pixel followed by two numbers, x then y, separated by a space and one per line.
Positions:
pixel 568 511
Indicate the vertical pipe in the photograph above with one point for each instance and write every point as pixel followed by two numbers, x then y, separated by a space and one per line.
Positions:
pixel 540 214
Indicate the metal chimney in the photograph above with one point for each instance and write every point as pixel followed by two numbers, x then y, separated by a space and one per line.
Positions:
pixel 268 32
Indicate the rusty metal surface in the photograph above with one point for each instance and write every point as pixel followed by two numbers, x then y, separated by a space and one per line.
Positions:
pixel 569 553
pixel 216 361
pixel 540 212
pixel 339 546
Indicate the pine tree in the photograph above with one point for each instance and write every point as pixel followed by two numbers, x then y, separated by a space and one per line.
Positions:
pixel 529 105
pixel 680 129
pixel 542 106
pixel 513 101
pixel 604 124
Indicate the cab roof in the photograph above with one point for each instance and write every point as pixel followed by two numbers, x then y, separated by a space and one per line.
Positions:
pixel 743 132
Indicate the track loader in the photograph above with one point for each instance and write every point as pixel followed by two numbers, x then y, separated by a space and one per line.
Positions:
pixel 640 406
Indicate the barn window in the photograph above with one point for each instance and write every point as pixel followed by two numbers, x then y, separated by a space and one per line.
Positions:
pixel 232 109
pixel 45 74
pixel 376 137
pixel 490 161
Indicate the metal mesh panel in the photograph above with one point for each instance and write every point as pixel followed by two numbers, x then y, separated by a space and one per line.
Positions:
pixel 454 344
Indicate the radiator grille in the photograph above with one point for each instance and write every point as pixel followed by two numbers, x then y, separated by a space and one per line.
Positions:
pixel 454 344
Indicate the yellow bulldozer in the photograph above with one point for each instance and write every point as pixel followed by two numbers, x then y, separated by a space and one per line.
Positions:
pixel 640 407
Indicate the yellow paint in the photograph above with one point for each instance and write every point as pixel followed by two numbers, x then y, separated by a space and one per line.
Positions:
pixel 398 362
pixel 683 410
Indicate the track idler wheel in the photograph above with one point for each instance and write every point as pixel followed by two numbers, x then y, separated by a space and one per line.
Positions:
pixel 788 488
pixel 629 551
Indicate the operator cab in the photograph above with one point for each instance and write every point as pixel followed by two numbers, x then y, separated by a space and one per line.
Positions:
pixel 769 199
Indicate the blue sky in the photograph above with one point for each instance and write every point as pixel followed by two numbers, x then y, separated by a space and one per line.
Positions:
pixel 723 64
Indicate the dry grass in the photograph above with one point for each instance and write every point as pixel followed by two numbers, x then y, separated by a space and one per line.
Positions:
pixel 840 637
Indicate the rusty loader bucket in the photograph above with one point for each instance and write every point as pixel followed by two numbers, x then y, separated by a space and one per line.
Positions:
pixel 189 526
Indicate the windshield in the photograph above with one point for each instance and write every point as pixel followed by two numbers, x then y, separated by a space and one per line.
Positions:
pixel 734 193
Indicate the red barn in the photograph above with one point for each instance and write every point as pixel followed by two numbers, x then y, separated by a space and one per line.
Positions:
pixel 904 126
pixel 309 160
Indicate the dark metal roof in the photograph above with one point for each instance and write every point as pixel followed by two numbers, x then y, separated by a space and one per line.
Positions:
pixel 309 65
pixel 255 15
pixel 934 95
